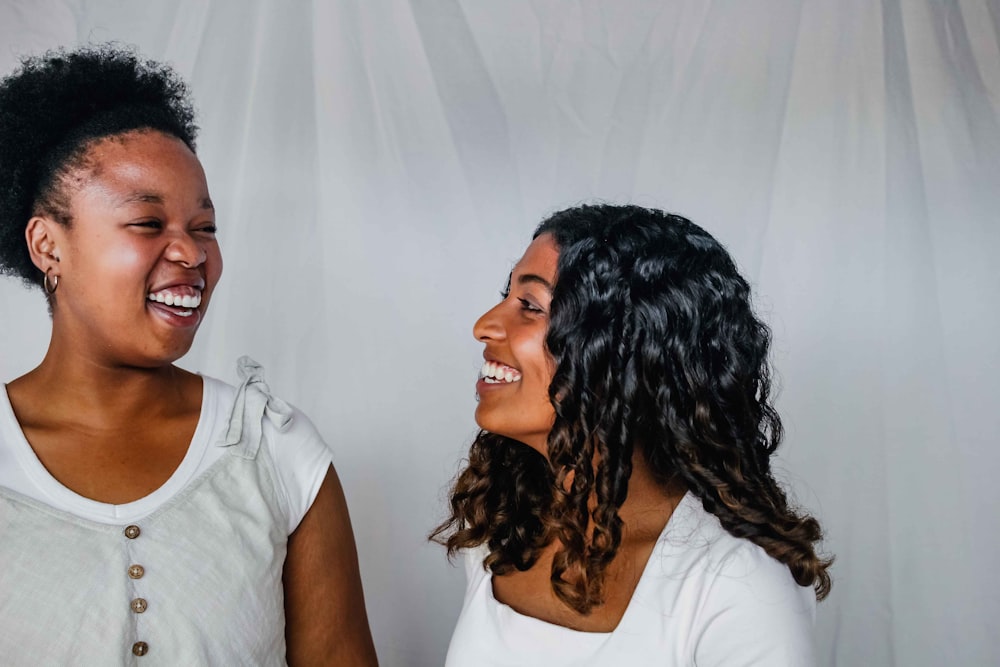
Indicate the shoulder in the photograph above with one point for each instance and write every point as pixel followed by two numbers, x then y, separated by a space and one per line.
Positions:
pixel 749 608
pixel 472 561
pixel 295 449
pixel 300 432
pixel 289 427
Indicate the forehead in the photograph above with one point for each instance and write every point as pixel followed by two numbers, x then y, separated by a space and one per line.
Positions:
pixel 541 258
pixel 142 161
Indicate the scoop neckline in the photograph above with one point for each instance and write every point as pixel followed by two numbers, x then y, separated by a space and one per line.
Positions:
pixel 597 637
pixel 63 497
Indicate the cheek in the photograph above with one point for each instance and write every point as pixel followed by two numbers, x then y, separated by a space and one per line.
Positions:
pixel 213 262
pixel 99 257
pixel 541 362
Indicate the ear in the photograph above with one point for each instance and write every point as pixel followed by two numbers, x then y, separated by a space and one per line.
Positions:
pixel 44 237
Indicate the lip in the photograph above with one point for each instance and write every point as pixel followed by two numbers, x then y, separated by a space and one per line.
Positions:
pixel 198 284
pixel 169 315
pixel 482 387
pixel 498 360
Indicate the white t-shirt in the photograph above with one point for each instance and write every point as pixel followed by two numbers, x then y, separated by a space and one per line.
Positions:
pixel 300 456
pixel 705 598
pixel 189 575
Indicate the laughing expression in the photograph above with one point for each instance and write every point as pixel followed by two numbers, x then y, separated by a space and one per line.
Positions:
pixel 140 259
pixel 514 380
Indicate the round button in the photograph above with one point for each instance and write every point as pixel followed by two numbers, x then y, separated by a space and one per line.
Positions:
pixel 138 605
pixel 136 572
pixel 140 648
pixel 132 532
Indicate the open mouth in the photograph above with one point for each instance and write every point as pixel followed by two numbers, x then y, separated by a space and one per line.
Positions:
pixel 181 300
pixel 494 372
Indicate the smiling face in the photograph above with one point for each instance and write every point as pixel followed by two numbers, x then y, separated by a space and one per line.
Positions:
pixel 138 263
pixel 514 383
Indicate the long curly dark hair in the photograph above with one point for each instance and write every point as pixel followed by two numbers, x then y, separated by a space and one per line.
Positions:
pixel 656 347
pixel 52 109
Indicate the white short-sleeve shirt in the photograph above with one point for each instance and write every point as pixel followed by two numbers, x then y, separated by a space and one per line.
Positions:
pixel 300 456
pixel 705 599
pixel 189 575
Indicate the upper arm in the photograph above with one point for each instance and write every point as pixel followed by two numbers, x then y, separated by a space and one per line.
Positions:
pixel 756 615
pixel 325 618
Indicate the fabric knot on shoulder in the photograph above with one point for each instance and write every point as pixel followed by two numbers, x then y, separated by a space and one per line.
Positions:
pixel 253 404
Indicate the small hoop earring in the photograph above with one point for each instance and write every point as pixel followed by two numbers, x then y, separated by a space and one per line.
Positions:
pixel 50 284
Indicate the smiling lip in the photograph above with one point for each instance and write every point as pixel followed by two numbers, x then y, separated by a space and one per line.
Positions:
pixel 178 304
pixel 174 316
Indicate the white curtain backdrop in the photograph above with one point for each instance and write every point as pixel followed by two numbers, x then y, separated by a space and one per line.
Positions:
pixel 379 165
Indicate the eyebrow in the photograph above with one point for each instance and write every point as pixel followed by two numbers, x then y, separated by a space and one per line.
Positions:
pixel 142 197
pixel 154 198
pixel 533 278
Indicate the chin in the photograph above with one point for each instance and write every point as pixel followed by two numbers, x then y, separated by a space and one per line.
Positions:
pixel 494 426
pixel 160 358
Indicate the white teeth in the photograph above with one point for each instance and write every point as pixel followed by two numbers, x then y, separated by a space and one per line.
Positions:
pixel 177 301
pixel 495 373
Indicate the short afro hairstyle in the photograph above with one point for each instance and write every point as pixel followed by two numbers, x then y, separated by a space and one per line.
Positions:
pixel 51 111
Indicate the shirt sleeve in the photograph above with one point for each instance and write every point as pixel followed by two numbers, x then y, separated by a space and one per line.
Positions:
pixel 756 616
pixel 301 461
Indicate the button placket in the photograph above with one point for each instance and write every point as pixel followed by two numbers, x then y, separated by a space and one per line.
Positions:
pixel 135 572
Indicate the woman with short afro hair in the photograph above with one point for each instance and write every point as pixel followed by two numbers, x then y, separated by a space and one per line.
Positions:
pixel 618 505
pixel 147 513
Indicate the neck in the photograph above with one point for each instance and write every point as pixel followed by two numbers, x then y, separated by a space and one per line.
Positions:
pixel 81 389
pixel 649 502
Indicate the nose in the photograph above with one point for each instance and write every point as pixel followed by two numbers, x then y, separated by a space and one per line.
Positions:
pixel 489 326
pixel 186 251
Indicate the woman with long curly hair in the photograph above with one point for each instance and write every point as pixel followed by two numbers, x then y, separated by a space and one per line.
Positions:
pixel 147 513
pixel 618 506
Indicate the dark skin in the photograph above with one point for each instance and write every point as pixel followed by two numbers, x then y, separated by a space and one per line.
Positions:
pixel 85 434
pixel 319 594
pixel 109 415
